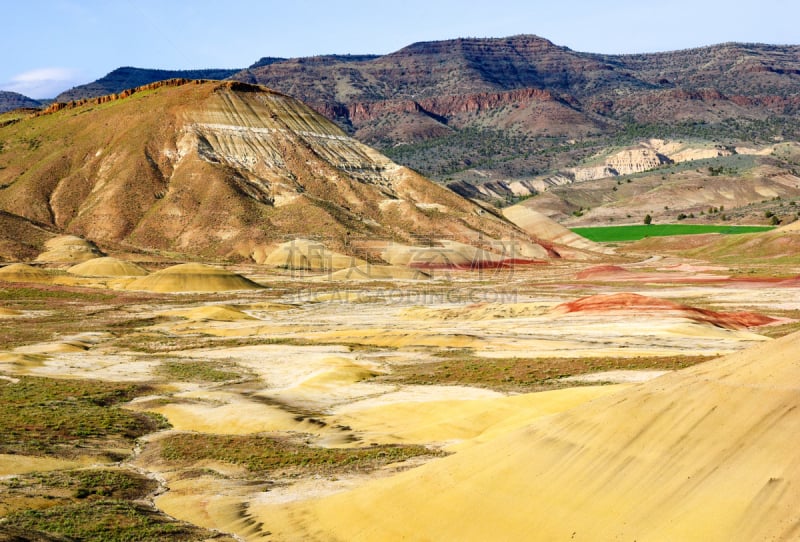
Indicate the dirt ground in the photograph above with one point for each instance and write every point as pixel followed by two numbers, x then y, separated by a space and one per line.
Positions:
pixel 436 367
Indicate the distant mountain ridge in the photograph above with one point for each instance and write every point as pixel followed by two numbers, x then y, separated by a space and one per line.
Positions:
pixel 465 66
pixel 517 108
pixel 472 109
pixel 13 100
pixel 127 77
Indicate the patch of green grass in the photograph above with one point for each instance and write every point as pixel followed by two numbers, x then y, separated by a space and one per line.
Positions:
pixel 59 311
pixel 83 484
pixel 20 294
pixel 611 234
pixel 44 416
pixel 157 342
pixel 197 371
pixel 263 455
pixel 461 367
pixel 102 521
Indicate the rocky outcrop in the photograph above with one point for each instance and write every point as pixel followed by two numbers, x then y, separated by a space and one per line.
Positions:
pixel 709 105
pixel 635 160
pixel 645 157
pixel 493 190
pixel 624 162
pixel 441 109
pixel 447 106
pixel 127 77
pixel 58 105
pixel 509 189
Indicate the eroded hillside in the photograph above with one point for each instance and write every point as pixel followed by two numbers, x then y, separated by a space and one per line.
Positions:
pixel 214 169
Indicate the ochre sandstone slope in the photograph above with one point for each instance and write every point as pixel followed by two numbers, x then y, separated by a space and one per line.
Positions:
pixel 707 453
pixel 216 169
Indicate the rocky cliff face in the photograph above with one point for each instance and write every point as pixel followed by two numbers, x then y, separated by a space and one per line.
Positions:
pixel 624 162
pixel 448 106
pixel 427 95
pixel 745 74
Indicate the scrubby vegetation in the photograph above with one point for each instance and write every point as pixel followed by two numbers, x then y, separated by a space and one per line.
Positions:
pixel 508 152
pixel 521 155
pixel 45 416
pixel 100 521
pixel 463 367
pixel 81 484
pixel 61 310
pixel 197 371
pixel 265 455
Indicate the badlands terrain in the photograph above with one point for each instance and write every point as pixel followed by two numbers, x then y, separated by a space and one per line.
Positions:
pixel 223 318
pixel 651 397
pixel 501 118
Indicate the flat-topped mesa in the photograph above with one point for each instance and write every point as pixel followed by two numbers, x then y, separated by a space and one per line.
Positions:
pixel 529 43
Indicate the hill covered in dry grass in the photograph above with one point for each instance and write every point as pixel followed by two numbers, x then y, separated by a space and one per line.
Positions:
pixel 211 169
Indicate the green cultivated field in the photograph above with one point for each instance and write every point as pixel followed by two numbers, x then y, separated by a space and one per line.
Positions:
pixel 610 234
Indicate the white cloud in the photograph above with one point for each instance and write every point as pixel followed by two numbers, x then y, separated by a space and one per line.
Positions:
pixel 43 82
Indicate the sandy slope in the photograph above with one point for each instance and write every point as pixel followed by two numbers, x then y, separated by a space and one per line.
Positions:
pixel 459 421
pixel 227 505
pixel 68 248
pixel 21 464
pixel 541 227
pixel 107 267
pixel 192 277
pixel 703 454
pixel 20 272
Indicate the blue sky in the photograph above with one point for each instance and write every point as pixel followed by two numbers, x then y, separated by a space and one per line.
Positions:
pixel 51 45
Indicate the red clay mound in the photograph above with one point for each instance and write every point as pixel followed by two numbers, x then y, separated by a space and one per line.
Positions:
pixel 790 283
pixel 763 282
pixel 617 302
pixel 639 304
pixel 751 319
pixel 615 273
pixel 601 272
pixel 508 263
